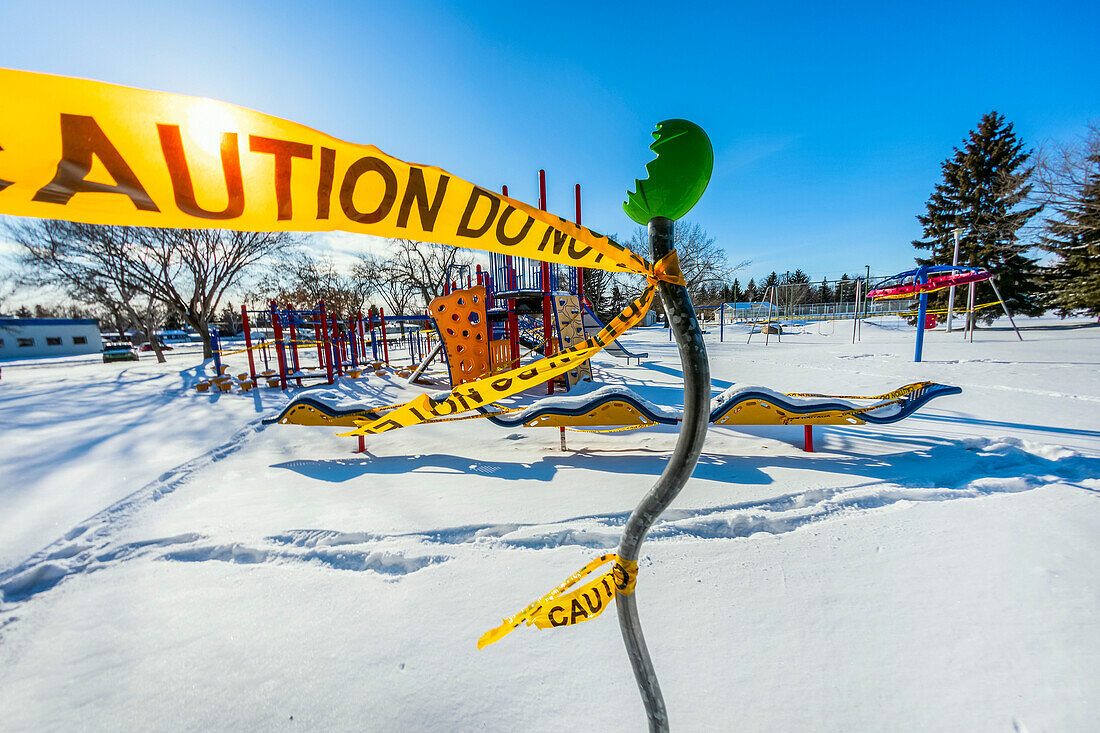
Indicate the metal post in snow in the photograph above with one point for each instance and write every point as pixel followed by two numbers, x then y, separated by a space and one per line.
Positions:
pixel 337 346
pixel 722 325
pixel 689 444
pixel 317 338
pixel 547 305
pixel 970 302
pixel 922 312
pixel 280 357
pixel 216 349
pixel 294 343
pixel 767 328
pixel 951 290
pixel 325 342
pixel 385 341
pixel 1004 307
pixel 362 335
pixel 855 313
pixel 248 345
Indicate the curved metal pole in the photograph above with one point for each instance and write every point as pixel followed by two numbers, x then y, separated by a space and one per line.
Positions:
pixel 693 430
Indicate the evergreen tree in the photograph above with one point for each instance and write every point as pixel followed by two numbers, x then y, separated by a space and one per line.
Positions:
pixel 735 291
pixel 824 293
pixel 1073 235
pixel 983 185
pixel 772 280
pixel 750 291
pixel 800 291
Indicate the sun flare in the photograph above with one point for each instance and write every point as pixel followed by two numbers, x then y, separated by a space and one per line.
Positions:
pixel 206 121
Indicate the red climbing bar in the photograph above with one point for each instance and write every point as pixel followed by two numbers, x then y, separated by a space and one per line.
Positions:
pixel 808 440
pixel 547 304
pixel 580 270
pixel 280 356
pixel 294 343
pixel 248 345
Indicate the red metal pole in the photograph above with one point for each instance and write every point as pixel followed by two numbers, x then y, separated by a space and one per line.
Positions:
pixel 547 305
pixel 385 341
pixel 279 345
pixel 580 270
pixel 513 332
pixel 294 342
pixel 808 440
pixel 248 345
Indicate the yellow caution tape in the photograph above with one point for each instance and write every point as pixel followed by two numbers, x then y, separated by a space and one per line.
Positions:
pixel 105 154
pixel 612 430
pixel 558 608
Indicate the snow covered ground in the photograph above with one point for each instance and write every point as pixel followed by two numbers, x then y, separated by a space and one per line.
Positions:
pixel 167 562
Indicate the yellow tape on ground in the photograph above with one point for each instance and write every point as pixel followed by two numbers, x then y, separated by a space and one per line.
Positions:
pixel 587 602
pixel 105 154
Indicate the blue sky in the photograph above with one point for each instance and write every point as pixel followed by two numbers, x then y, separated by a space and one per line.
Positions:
pixel 829 122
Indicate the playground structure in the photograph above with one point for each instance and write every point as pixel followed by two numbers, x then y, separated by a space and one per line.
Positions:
pixel 515 309
pixel 900 296
pixel 927 279
pixel 313 346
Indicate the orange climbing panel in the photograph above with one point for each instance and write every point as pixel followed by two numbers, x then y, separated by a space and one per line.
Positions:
pixel 464 327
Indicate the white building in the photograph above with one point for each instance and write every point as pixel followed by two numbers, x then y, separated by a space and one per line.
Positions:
pixel 22 338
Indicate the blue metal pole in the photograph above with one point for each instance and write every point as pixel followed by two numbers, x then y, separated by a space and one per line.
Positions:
pixel 216 347
pixel 922 312
pixel 722 324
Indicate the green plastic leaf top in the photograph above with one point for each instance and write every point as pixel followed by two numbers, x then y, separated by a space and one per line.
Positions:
pixel 677 176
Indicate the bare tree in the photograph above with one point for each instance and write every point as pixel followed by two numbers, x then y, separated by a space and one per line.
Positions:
pixel 93 265
pixel 702 261
pixel 413 273
pixel 192 269
pixel 1068 183
pixel 1062 171
pixel 373 272
pixel 301 279
pixel 187 271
